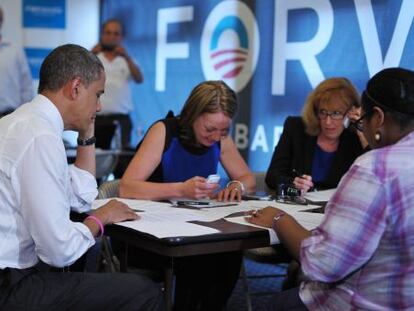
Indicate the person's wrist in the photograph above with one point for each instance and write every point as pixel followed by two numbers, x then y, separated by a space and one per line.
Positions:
pixel 277 218
pixel 180 189
pixel 99 222
pixel 86 134
pixel 103 216
pixel 86 142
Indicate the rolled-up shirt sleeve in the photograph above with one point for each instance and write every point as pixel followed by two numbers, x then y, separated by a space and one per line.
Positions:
pixel 83 189
pixel 351 231
pixel 47 190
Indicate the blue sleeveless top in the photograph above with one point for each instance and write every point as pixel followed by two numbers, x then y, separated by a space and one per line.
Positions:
pixel 180 162
pixel 321 165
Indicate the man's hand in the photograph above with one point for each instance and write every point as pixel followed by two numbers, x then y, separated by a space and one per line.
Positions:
pixel 87 132
pixel 115 211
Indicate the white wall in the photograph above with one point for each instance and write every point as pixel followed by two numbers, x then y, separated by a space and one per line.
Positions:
pixel 82 27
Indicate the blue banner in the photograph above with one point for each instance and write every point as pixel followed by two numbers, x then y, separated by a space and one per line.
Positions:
pixel 44 13
pixel 273 53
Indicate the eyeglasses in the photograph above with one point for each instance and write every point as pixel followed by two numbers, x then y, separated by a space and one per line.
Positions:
pixel 335 115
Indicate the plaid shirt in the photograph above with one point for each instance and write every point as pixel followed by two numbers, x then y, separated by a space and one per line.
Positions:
pixel 362 255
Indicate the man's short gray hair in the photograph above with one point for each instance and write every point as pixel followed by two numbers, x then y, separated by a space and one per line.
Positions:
pixel 66 63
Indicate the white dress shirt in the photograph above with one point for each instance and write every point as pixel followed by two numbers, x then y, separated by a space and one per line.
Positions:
pixel 117 97
pixel 16 81
pixel 38 189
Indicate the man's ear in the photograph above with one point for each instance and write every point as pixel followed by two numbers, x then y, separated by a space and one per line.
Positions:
pixel 71 89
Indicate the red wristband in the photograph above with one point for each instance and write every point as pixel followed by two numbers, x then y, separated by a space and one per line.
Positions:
pixel 99 222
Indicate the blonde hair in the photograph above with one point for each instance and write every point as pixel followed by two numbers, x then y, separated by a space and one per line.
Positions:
pixel 206 97
pixel 340 88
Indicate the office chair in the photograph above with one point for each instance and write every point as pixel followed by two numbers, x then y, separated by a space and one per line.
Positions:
pixel 106 161
pixel 110 263
pixel 109 189
pixel 106 133
pixel 108 148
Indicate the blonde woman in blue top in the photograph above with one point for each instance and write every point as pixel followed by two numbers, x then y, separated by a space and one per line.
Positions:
pixel 173 160
pixel 177 154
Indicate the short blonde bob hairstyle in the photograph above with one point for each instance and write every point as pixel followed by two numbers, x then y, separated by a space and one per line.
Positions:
pixel 330 88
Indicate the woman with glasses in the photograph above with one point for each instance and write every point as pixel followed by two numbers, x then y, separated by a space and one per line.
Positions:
pixel 173 161
pixel 361 257
pixel 315 150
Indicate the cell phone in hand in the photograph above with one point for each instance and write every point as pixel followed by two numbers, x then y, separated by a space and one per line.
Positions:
pixel 213 179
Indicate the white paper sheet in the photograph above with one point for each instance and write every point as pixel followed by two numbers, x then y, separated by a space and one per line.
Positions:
pixel 242 221
pixel 141 205
pixel 319 196
pixel 288 208
pixel 171 215
pixel 162 220
pixel 177 213
pixel 165 229
pixel 308 220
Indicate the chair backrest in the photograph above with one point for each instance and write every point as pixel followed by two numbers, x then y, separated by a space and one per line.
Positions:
pixel 260 182
pixel 109 189
pixel 106 161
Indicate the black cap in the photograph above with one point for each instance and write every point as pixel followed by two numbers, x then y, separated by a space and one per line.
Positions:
pixel 393 89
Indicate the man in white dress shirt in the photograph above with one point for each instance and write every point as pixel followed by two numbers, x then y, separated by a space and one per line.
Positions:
pixel 38 189
pixel 120 69
pixel 16 81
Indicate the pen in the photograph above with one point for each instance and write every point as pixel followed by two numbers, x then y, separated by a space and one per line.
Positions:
pixel 295 173
pixel 223 204
pixel 192 203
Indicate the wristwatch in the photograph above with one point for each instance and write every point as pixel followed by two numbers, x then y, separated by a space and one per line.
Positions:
pixel 86 142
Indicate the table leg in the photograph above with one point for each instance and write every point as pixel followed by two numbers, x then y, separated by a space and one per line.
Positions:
pixel 168 287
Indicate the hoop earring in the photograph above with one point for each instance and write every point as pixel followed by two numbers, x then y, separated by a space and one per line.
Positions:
pixel 377 136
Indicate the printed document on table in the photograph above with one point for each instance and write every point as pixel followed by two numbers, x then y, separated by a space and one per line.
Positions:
pixel 308 220
pixel 288 208
pixel 242 221
pixel 168 212
pixel 166 229
pixel 137 205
